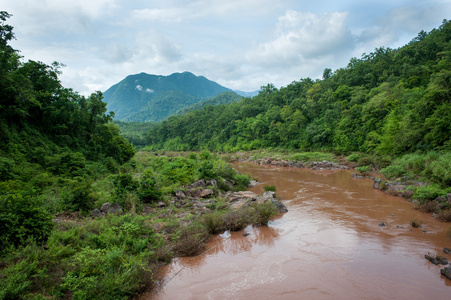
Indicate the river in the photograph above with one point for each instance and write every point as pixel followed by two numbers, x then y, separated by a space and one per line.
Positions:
pixel 328 246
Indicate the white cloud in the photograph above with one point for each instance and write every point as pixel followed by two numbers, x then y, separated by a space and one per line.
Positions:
pixel 150 91
pixel 139 87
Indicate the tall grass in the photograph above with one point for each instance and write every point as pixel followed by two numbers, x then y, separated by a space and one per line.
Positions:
pixel 431 166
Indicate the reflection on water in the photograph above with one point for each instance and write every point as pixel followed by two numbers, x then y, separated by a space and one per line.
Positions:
pixel 328 246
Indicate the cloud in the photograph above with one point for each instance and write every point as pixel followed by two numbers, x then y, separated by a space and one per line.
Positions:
pixel 304 36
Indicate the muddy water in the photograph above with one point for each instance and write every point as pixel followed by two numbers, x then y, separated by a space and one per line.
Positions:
pixel 328 246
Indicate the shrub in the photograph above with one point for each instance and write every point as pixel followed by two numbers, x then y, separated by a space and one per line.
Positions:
pixel 365 161
pixel 242 181
pixel 264 212
pixel 354 157
pixel 365 170
pixel 269 188
pixel 6 168
pixel 78 195
pixel 428 192
pixel 444 215
pixel 213 222
pixel 69 164
pixel 394 171
pixel 235 220
pixel 192 239
pixel 207 170
pixel 22 218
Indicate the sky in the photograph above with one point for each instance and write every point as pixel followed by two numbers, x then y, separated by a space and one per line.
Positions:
pixel 241 44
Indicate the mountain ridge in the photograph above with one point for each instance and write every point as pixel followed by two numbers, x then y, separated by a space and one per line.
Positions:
pixel 147 97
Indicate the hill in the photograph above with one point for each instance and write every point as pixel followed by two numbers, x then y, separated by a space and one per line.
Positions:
pixel 152 98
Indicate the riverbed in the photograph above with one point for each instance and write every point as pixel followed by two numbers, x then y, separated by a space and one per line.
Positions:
pixel 330 245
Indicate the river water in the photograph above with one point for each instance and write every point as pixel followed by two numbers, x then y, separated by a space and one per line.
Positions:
pixel 328 246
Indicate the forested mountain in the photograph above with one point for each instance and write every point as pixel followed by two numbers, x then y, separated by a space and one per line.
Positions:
pixel 223 98
pixel 151 98
pixel 388 102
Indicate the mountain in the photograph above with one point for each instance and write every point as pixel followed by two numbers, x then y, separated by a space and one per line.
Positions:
pixel 144 97
pixel 223 98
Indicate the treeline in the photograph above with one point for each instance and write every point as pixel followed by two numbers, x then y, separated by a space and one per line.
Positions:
pixel 388 102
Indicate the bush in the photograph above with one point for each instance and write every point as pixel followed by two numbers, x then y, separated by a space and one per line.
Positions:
pixel 365 161
pixel 207 170
pixel 428 192
pixel 6 168
pixel 192 239
pixel 354 157
pixel 264 212
pixel 363 170
pixel 22 218
pixel 69 164
pixel 213 222
pixel 394 171
pixel 79 195
pixel 269 188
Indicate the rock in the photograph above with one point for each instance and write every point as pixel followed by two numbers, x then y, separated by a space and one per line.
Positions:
pixel 449 198
pixel 193 193
pixel 377 184
pixel 205 193
pixel 382 224
pixel 199 184
pixel 239 199
pixel 271 196
pixel 246 234
pixel 443 260
pixel 358 176
pixel 447 250
pixel 109 208
pixel 105 207
pixel 161 204
pixel 446 272
pixel 253 183
pixel 95 213
pixel 441 199
pixel 179 194
pixel 211 183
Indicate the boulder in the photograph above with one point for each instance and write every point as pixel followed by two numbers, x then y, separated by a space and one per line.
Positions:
pixel 96 213
pixel 179 194
pixel 240 199
pixel 193 193
pixel 205 193
pixel 446 272
pixel 109 208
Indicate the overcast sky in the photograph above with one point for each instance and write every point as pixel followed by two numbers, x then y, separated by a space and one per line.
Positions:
pixel 241 44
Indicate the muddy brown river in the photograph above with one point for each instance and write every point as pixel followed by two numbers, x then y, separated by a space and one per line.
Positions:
pixel 328 246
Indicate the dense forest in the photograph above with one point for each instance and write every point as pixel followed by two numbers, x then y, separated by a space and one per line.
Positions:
pixel 388 102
